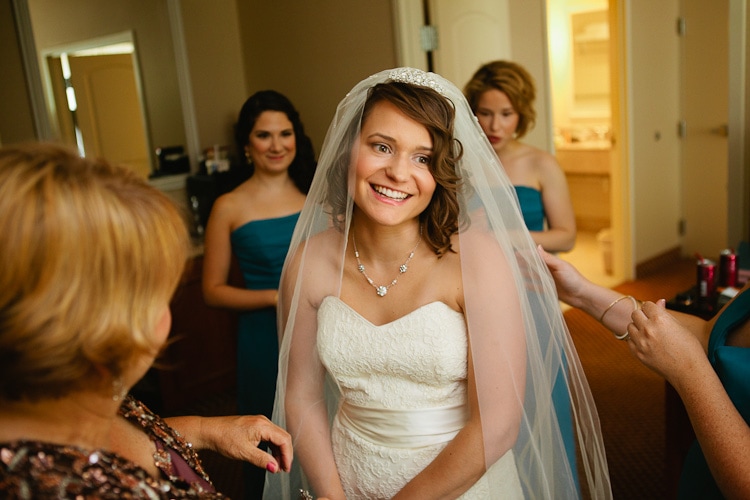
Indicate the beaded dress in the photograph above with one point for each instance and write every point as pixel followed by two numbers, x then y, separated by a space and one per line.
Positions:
pixel 41 471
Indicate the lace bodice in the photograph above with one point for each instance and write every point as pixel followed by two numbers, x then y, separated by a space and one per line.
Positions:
pixel 399 372
pixel 416 361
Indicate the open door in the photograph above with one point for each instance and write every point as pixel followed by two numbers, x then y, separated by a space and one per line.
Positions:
pixel 705 111
pixel 109 113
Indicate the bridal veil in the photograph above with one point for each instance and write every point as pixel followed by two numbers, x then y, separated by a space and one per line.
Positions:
pixel 496 250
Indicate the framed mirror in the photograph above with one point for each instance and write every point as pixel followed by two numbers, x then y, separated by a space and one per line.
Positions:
pixel 81 29
pixel 95 99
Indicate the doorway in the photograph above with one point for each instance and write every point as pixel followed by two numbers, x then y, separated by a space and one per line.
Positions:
pixel 580 56
pixel 95 97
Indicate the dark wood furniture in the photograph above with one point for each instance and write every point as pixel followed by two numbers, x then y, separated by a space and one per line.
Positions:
pixel 200 359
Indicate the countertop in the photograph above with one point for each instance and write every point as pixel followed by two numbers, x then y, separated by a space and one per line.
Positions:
pixel 584 146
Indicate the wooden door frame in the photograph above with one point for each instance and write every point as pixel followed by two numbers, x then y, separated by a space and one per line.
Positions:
pixel 738 189
pixel 621 213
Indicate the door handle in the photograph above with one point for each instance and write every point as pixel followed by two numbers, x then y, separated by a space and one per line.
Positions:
pixel 722 130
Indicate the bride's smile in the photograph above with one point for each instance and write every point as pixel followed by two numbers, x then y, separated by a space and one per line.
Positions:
pixel 393 179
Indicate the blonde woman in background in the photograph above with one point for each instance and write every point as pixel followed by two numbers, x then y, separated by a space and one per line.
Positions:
pixel 501 95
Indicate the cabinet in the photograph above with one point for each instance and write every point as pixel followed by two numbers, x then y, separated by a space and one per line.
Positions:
pixel 587 173
pixel 199 360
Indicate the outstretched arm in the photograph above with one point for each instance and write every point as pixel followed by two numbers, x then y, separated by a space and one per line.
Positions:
pixel 237 437
pixel 674 345
pixel 606 305
pixel 667 347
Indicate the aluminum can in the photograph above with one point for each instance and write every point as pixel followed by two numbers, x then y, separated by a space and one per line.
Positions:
pixel 706 280
pixel 728 268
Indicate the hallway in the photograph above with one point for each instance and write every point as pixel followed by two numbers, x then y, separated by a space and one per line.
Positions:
pixel 588 258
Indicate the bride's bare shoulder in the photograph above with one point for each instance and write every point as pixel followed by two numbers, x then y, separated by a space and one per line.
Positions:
pixel 316 261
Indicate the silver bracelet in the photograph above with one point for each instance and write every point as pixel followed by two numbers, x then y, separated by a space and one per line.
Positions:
pixel 615 302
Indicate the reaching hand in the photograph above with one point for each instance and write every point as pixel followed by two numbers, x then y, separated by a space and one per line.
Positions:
pixel 660 342
pixel 238 437
pixel 568 281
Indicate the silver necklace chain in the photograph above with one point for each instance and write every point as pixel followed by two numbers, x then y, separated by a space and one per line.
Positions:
pixel 381 290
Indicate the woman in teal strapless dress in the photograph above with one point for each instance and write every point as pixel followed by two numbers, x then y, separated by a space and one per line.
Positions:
pixel 501 94
pixel 254 222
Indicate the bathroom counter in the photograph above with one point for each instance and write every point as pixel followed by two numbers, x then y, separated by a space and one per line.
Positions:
pixel 584 160
pixel 587 170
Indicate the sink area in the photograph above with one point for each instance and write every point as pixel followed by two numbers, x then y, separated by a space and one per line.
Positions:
pixel 594 145
pixel 587 169
pixel 584 158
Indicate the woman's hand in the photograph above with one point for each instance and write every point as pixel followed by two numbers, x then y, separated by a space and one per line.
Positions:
pixel 237 437
pixel 569 282
pixel 663 344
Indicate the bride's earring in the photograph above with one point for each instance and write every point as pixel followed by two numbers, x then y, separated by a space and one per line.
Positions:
pixel 248 158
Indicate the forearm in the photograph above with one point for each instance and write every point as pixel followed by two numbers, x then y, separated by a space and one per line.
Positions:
pixel 599 303
pixel 456 469
pixel 723 434
pixel 555 240
pixel 242 299
pixel 312 447
pixel 190 429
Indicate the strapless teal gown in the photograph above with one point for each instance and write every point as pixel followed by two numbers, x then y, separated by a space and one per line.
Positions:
pixel 532 209
pixel 260 247
pixel 732 365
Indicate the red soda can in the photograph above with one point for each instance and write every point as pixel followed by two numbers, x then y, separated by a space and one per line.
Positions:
pixel 706 280
pixel 728 269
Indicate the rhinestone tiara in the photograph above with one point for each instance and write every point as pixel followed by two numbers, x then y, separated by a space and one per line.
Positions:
pixel 417 77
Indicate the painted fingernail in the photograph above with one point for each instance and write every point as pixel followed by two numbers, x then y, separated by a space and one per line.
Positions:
pixel 271 467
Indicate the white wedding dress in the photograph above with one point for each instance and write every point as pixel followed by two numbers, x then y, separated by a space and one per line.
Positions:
pixel 403 388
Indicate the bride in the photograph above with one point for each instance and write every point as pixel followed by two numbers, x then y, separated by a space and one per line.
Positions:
pixel 421 330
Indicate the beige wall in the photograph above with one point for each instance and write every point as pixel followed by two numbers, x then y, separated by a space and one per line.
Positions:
pixel 217 80
pixel 315 52
pixel 16 117
pixel 528 41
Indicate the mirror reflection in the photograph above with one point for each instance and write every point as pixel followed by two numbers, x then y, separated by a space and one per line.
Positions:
pixel 109 77
pixel 94 93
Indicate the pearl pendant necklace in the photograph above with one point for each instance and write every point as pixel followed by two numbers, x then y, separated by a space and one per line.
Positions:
pixel 381 290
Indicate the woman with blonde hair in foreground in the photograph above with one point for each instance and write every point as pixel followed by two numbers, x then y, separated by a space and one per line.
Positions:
pixel 91 257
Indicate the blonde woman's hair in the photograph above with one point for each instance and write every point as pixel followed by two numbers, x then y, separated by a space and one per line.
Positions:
pixel 90 256
pixel 512 80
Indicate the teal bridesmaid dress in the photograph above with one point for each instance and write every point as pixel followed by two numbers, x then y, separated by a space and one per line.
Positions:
pixel 260 247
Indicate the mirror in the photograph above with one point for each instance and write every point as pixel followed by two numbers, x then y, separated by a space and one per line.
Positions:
pixel 94 95
pixel 147 75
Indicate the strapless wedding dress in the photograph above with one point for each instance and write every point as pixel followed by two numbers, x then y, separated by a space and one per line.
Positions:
pixel 403 388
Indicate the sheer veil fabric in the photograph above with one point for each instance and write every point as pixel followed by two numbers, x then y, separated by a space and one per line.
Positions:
pixel 498 260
